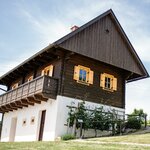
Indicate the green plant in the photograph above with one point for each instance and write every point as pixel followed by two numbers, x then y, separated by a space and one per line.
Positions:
pixel 133 123
pixel 67 137
pixel 98 119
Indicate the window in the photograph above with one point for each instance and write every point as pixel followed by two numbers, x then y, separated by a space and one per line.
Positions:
pixel 24 122
pixel 108 82
pixel 83 75
pixel 14 86
pixel 32 120
pixel 48 71
pixel 30 78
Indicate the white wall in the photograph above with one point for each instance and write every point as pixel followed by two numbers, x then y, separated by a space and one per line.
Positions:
pixel 56 118
pixel 29 132
pixel 62 114
pixel 0 116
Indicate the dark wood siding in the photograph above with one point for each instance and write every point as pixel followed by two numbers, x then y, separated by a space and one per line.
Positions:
pixel 103 41
pixel 94 93
pixel 56 72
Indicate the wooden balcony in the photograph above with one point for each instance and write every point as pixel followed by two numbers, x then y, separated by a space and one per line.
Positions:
pixel 35 91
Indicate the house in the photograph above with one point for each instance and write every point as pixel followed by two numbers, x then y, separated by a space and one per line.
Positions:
pixel 92 63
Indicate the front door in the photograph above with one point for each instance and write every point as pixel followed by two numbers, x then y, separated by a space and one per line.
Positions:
pixel 13 130
pixel 42 122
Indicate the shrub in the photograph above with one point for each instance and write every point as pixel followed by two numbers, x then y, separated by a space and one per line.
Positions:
pixel 133 123
pixel 67 137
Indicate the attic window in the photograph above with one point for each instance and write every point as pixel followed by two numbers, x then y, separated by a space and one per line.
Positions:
pixel 83 75
pixel 108 82
pixel 107 31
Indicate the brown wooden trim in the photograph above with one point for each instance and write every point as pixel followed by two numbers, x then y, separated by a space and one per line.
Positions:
pixel 16 104
pixel 21 104
pixel 40 97
pixel 27 102
pixel 33 100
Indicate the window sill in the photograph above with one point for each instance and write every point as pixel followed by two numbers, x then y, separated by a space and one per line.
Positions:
pixel 109 90
pixel 82 82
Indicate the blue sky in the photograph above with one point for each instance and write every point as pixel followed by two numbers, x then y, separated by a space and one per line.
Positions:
pixel 28 26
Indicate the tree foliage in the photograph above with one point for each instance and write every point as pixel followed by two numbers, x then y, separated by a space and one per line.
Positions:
pixel 136 119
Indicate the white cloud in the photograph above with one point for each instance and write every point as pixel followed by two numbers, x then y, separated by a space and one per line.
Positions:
pixel 49 30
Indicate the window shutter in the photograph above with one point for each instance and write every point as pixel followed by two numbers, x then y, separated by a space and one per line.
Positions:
pixel 91 74
pixel 76 73
pixel 51 70
pixel 102 80
pixel 30 78
pixel 115 84
pixel 42 72
pixel 14 86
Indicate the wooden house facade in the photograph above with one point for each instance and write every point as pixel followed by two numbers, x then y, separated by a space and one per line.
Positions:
pixel 92 63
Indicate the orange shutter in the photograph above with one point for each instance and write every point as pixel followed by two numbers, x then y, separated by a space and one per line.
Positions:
pixel 91 75
pixel 115 84
pixel 30 78
pixel 42 72
pixel 51 70
pixel 76 73
pixel 48 69
pixel 102 80
pixel 14 86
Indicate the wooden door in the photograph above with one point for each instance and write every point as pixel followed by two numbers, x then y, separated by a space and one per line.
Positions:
pixel 42 122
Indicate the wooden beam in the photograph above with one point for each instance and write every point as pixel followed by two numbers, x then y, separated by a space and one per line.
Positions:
pixel 6 108
pixel 11 107
pixel 15 105
pixel 2 110
pixel 33 100
pixel 19 103
pixel 27 102
pixel 40 97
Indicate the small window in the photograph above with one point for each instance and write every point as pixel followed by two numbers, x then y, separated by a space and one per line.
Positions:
pixel 30 78
pixel 32 120
pixel 48 71
pixel 24 122
pixel 14 86
pixel 108 82
pixel 83 75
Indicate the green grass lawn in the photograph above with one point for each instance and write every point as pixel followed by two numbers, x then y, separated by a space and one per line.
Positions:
pixel 74 145
pixel 141 139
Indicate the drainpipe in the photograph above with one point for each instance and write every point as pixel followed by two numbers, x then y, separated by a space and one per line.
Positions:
pixel 1 125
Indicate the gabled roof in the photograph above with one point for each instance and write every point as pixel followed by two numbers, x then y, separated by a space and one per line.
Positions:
pixel 137 67
pixel 91 41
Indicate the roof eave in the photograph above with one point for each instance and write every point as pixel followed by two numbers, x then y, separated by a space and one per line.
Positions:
pixel 27 60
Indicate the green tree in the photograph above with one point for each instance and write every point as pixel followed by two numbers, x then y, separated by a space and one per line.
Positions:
pixel 136 119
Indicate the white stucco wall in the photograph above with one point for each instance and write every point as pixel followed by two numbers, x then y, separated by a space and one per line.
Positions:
pixel 62 113
pixel 30 132
pixel 56 118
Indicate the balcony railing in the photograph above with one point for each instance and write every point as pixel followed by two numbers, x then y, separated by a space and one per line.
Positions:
pixel 35 91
